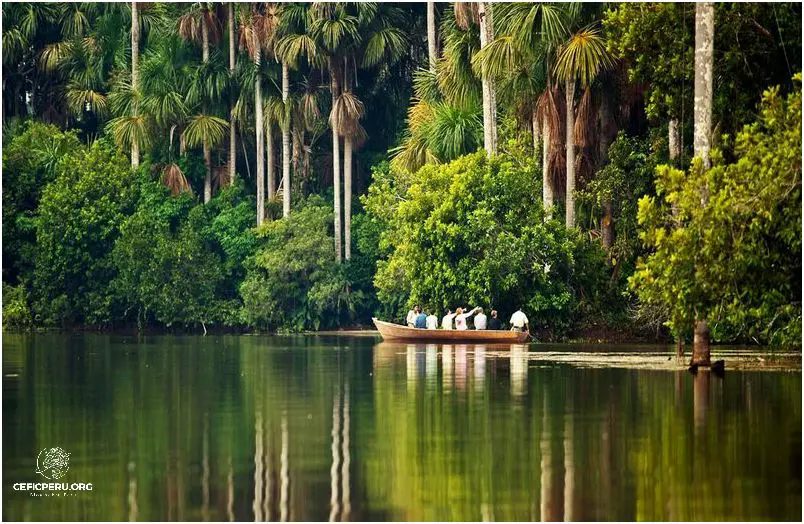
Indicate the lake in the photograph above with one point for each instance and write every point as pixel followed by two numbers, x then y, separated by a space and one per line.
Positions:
pixel 347 428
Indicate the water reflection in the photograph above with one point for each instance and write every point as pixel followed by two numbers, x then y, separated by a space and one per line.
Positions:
pixel 480 369
pixel 519 369
pixel 302 428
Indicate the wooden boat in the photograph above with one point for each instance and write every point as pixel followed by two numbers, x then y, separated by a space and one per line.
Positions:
pixel 390 331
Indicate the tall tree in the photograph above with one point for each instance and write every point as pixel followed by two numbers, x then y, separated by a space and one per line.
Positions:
pixel 285 139
pixel 581 58
pixel 135 76
pixel 256 29
pixel 704 65
pixel 200 24
pixel 432 49
pixel 336 28
pixel 489 98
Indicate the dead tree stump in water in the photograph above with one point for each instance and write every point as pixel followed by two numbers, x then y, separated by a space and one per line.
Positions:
pixel 700 346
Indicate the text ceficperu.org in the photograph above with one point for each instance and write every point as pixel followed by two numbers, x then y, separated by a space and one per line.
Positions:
pixel 52 486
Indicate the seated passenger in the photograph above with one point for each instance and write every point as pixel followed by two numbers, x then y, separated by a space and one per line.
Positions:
pixel 421 320
pixel 480 319
pixel 494 323
pixel 432 321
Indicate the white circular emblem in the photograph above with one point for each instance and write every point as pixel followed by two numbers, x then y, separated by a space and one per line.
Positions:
pixel 52 463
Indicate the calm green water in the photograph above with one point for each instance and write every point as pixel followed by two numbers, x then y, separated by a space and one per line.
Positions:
pixel 343 428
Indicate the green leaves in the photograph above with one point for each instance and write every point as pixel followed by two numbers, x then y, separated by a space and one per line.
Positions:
pixel 583 57
pixel 472 232
pixel 205 128
pixel 735 261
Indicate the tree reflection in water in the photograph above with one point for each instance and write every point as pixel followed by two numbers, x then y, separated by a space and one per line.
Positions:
pixel 319 428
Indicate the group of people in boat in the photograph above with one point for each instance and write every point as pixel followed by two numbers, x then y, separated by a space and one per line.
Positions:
pixel 417 318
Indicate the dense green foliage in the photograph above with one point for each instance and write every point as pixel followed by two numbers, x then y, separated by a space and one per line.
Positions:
pixel 293 281
pixel 472 232
pixel 731 252
pixel 94 237
pixel 78 222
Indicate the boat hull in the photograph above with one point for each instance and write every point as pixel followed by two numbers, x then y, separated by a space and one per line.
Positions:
pixel 390 331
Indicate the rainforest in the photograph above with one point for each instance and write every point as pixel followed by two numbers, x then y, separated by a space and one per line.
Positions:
pixel 621 171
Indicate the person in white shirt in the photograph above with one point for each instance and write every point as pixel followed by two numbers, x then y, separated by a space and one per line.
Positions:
pixel 480 319
pixel 519 322
pixel 432 321
pixel 460 318
pixel 446 322
pixel 411 320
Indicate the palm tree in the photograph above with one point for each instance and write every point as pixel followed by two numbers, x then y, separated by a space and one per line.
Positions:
pixel 581 58
pixel 256 34
pixel 383 42
pixel 200 23
pixel 294 43
pixel 529 34
pixel 704 44
pixel 335 28
pixel 481 14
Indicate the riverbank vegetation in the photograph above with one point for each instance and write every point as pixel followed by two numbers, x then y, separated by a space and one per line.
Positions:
pixel 628 168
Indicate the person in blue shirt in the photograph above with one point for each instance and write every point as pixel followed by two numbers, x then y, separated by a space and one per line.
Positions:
pixel 421 320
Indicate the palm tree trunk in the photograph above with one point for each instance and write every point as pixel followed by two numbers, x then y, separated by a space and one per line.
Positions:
pixel 704 44
pixel 336 164
pixel 536 130
pixel 489 19
pixel 207 150
pixel 347 196
pixel 285 142
pixel 232 135
pixel 547 186
pixel 260 127
pixel 674 141
pixel 298 140
pixel 570 97
pixel 269 148
pixel 135 75
pixel 484 10
pixel 431 36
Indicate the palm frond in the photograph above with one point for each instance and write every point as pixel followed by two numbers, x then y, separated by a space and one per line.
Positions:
pixel 425 85
pixel 346 111
pixel 387 44
pixel 585 120
pixel 174 179
pixel 128 130
pixel 455 131
pixel 412 154
pixel 80 99
pixel 466 14
pixel 583 57
pixel 291 48
pixel 53 55
pixel 206 128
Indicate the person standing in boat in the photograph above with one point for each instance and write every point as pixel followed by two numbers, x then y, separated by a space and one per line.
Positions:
pixel 494 322
pixel 432 321
pixel 421 320
pixel 480 319
pixel 446 322
pixel 460 318
pixel 411 320
pixel 519 321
